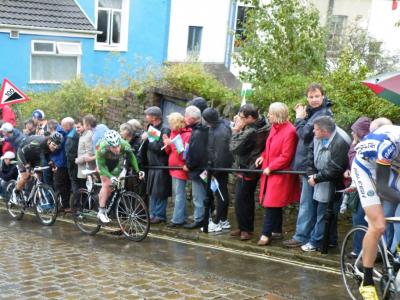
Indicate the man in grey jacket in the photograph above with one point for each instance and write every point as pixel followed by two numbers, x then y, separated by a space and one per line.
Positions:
pixel 327 161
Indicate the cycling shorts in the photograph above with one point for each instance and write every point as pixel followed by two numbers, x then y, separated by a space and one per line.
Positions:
pixel 363 175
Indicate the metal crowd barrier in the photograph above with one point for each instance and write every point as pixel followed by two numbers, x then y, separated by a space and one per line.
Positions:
pixel 329 213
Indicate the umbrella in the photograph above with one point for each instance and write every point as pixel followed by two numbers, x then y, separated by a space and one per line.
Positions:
pixel 386 85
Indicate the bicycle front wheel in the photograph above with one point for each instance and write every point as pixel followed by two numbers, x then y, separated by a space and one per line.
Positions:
pixel 352 266
pixel 16 211
pixel 85 214
pixel 45 205
pixel 133 216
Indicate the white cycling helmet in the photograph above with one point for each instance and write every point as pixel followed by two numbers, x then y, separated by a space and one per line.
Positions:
pixel 38 114
pixel 112 138
pixel 7 127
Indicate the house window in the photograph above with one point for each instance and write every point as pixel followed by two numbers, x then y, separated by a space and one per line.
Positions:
pixel 194 40
pixel 242 12
pixel 112 21
pixel 54 62
pixel 337 24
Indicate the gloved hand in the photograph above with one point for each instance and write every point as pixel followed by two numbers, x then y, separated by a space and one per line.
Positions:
pixel 142 174
pixel 114 180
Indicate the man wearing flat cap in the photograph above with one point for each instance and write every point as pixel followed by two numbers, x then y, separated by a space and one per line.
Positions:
pixel 159 181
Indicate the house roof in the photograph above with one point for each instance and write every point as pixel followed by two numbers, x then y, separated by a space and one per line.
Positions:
pixel 60 15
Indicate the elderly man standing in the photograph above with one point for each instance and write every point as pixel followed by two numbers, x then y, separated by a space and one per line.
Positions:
pixel 326 164
pixel 196 162
pixel 71 151
pixel 158 181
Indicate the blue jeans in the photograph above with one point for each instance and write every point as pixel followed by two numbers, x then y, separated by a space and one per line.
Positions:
pixel 199 196
pixel 158 208
pixel 179 189
pixel 317 233
pixel 358 219
pixel 389 210
pixel 305 218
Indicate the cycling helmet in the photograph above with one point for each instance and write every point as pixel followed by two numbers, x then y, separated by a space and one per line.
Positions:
pixel 112 138
pixel 56 138
pixel 38 114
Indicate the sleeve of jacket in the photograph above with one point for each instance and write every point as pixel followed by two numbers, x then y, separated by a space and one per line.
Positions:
pixel 11 174
pixel 197 150
pixel 286 154
pixel 336 165
pixel 304 130
pixel 310 168
pixel 242 142
pixel 157 145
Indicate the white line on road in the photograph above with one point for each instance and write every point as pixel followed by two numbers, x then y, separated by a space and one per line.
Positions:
pixel 249 254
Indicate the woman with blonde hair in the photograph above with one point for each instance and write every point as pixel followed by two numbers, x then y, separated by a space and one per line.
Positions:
pixel 277 190
pixel 175 146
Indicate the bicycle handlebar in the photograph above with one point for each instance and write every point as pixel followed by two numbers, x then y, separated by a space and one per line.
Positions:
pixel 39 169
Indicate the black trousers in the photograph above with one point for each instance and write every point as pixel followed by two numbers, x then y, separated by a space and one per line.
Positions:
pixel 244 203
pixel 272 221
pixel 222 203
pixel 62 185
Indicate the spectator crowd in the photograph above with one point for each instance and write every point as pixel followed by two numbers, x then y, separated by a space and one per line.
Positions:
pixel 200 140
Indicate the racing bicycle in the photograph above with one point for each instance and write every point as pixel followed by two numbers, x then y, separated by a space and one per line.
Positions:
pixel 125 207
pixel 36 195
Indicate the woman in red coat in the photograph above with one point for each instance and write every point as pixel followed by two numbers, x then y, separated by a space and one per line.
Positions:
pixel 277 190
pixel 176 152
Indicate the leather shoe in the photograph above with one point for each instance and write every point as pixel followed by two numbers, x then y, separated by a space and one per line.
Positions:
pixel 175 225
pixel 235 232
pixel 193 225
pixel 264 241
pixel 156 220
pixel 245 236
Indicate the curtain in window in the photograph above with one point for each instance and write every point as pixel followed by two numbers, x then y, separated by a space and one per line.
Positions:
pixel 53 68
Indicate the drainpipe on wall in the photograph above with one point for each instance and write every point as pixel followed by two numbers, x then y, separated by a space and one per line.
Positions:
pixel 329 13
pixel 230 34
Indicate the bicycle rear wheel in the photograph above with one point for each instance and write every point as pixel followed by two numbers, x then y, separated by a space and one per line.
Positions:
pixel 16 211
pixel 133 216
pixel 352 267
pixel 45 205
pixel 85 214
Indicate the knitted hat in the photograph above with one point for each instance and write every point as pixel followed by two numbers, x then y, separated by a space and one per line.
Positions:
pixel 210 115
pixel 199 102
pixel 361 127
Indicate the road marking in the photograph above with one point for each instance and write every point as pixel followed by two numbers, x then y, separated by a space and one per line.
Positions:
pixel 221 248
pixel 249 254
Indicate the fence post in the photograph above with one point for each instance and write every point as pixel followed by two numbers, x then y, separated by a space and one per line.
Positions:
pixel 207 202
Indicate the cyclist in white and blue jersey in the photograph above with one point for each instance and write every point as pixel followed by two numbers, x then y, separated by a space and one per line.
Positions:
pixel 375 171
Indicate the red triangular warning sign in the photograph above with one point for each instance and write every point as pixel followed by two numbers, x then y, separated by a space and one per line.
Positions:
pixel 10 94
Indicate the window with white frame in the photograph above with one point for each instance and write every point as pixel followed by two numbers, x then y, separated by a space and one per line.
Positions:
pixel 54 62
pixel 194 40
pixel 337 24
pixel 112 22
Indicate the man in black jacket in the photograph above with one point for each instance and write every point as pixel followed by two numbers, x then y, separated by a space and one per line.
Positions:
pixel 250 133
pixel 219 156
pixel 71 153
pixel 196 162
pixel 327 161
pixel 158 181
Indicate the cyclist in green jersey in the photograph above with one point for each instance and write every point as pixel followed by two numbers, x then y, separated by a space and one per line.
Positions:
pixel 110 154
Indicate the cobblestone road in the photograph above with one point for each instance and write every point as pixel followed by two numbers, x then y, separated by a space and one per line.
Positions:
pixel 36 267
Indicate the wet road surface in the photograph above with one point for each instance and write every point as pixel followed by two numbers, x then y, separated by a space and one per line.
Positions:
pixel 59 262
